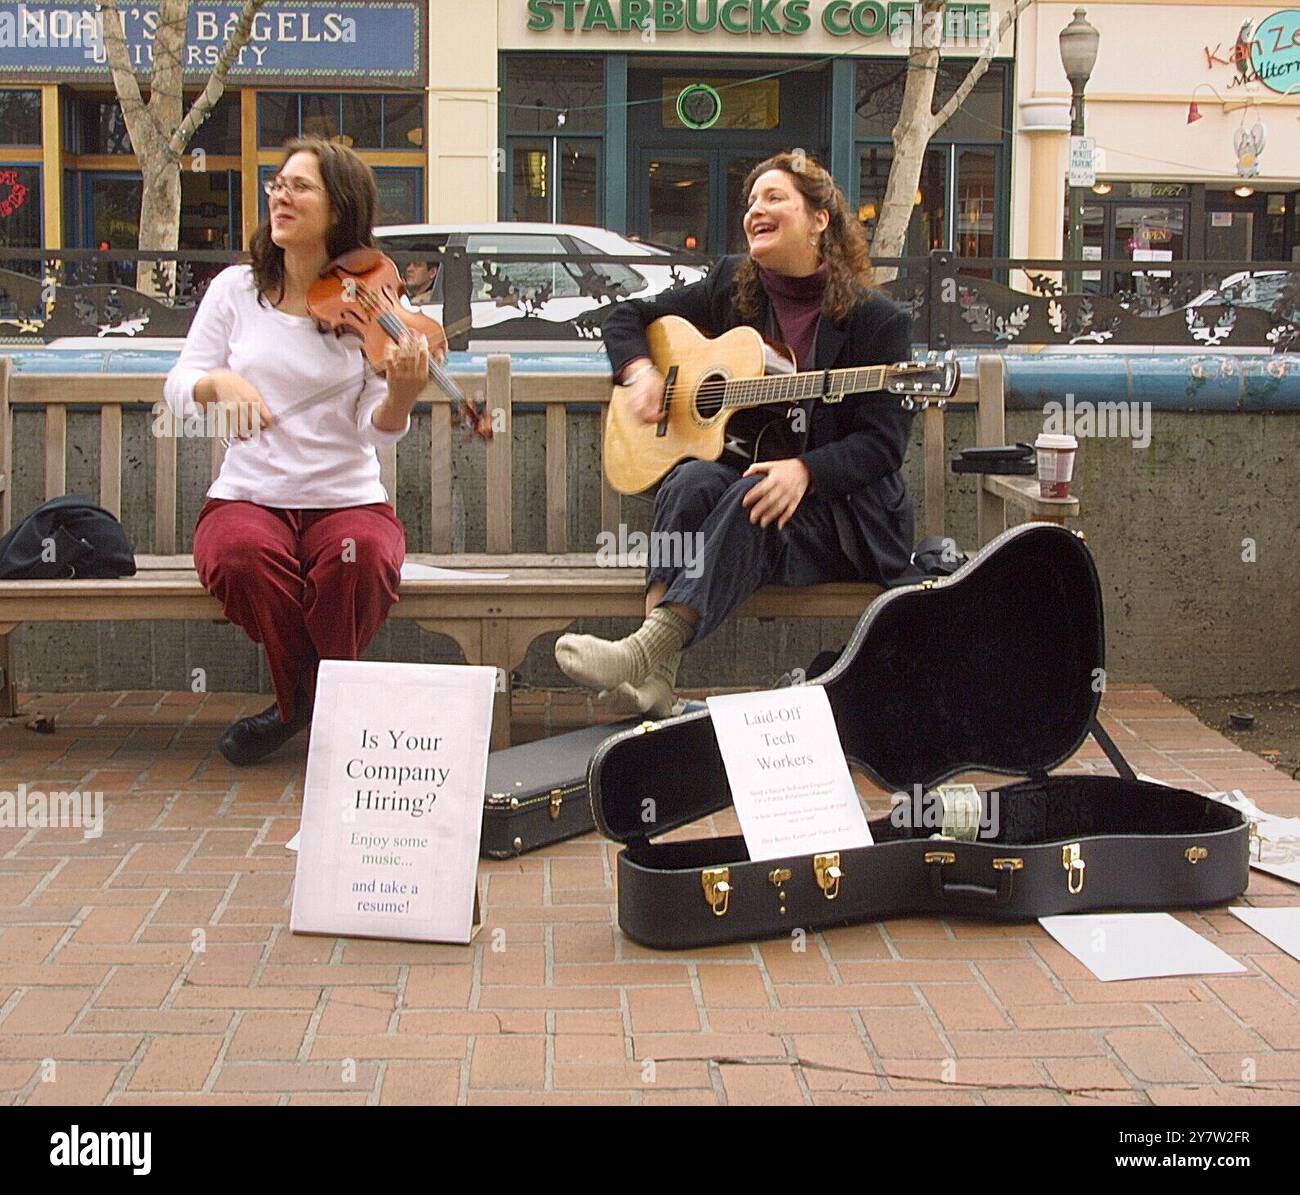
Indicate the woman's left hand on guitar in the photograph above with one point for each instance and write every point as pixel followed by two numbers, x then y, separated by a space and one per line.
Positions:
pixel 777 496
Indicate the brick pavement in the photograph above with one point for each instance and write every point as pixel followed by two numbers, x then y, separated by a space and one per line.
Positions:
pixel 155 964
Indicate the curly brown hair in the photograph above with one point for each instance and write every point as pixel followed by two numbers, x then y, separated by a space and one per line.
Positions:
pixel 843 244
pixel 354 200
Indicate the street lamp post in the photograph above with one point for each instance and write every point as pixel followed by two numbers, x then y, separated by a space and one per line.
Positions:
pixel 1078 55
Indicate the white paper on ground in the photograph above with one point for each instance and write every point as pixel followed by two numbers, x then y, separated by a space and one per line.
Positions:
pixel 393 801
pixel 1138 945
pixel 789 780
pixel 1277 848
pixel 1279 926
pixel 292 844
pixel 411 571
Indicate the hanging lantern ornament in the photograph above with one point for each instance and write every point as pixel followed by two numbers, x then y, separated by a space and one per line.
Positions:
pixel 1249 144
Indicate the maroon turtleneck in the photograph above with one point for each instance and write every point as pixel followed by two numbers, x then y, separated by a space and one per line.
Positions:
pixel 796 304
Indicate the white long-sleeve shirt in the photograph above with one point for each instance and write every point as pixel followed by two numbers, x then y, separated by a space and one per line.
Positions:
pixel 320 450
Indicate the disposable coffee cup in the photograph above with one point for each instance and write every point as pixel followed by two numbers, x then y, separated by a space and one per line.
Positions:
pixel 1055 464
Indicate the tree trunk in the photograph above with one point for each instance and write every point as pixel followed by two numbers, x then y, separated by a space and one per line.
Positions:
pixel 912 135
pixel 159 136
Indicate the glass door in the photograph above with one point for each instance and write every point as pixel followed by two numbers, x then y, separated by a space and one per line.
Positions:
pixel 676 201
pixel 111 203
pixel 555 180
pixel 1148 232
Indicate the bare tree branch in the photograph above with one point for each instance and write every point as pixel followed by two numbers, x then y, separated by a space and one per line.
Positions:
pixel 980 65
pixel 216 84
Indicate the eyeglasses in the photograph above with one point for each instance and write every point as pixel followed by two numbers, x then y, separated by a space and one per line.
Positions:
pixel 295 186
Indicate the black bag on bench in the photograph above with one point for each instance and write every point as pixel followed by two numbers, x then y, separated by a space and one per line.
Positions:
pixel 67 537
pixel 995 669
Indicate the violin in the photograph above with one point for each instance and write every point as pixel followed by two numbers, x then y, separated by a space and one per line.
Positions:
pixel 358 292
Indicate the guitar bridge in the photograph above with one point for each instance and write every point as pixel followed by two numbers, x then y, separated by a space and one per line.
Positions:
pixel 661 428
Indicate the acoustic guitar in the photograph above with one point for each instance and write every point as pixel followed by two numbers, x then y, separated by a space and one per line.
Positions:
pixel 709 380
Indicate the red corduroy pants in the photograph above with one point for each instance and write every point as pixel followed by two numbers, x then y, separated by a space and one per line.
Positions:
pixel 307 585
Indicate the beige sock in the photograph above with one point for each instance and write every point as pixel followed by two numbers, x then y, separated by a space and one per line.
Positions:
pixel 605 664
pixel 654 696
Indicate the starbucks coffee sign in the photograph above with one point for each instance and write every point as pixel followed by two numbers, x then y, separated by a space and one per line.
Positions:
pixel 963 24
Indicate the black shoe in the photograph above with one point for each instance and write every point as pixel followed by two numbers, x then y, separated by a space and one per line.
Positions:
pixel 251 740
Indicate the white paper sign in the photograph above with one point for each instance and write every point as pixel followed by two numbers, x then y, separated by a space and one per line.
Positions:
pixel 1083 161
pixel 1279 926
pixel 1276 845
pixel 1138 946
pixel 393 801
pixel 789 779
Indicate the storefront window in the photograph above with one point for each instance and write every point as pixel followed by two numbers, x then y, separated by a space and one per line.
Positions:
pixel 745 104
pixel 542 88
pixel 219 134
pixel 401 194
pixel 363 121
pixel 555 179
pixel 880 99
pixel 321 116
pixel 277 118
pixel 20 117
pixel 97 126
pixel 927 229
pixel 20 207
pixel 963 199
pixel 679 202
pixel 976 206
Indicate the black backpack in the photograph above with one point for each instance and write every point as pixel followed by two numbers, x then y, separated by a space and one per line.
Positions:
pixel 67 537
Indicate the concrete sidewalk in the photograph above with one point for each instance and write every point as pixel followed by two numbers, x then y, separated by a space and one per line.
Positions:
pixel 106 996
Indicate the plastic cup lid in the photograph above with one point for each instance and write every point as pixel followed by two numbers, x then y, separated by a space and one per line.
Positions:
pixel 1048 440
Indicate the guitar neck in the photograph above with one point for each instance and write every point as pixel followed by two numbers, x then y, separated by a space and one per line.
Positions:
pixel 795 387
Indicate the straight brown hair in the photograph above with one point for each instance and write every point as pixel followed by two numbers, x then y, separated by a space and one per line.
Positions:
pixel 354 200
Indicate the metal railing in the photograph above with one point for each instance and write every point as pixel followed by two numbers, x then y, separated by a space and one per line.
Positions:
pixel 955 302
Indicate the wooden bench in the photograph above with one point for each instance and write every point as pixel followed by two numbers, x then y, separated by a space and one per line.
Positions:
pixel 493 620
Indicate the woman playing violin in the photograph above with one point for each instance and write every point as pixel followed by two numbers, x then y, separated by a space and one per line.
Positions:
pixel 298 539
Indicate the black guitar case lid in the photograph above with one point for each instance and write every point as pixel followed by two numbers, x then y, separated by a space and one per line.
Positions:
pixel 998 668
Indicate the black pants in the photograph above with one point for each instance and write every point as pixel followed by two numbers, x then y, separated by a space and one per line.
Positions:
pixel 715 557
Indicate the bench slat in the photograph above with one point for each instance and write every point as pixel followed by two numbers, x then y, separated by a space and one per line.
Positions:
pixel 610 499
pixel 440 477
pixel 557 478
pixel 932 427
pixel 164 493
pixel 388 471
pixel 110 459
pixel 56 452
pixel 500 480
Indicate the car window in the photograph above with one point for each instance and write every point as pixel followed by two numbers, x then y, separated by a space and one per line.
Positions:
pixel 418 242
pixel 614 274
pixel 535 280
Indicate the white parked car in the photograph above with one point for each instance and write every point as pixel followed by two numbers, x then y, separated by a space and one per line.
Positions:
pixel 552 302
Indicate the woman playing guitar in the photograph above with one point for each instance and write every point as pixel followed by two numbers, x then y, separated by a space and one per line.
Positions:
pixel 838 509
pixel 298 538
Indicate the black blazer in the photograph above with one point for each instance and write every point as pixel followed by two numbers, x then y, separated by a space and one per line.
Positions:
pixel 855 449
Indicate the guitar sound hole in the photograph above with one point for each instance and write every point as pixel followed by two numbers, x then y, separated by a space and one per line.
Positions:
pixel 708 395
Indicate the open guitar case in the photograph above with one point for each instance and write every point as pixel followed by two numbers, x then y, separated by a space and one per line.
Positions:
pixel 997 668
